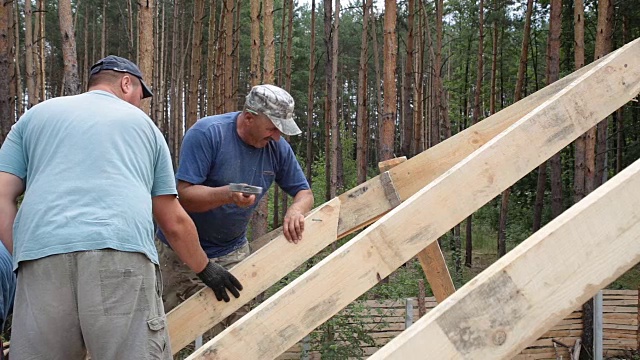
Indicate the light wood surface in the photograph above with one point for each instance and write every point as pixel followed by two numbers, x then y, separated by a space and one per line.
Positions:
pixel 514 301
pixel 192 318
pixel 314 297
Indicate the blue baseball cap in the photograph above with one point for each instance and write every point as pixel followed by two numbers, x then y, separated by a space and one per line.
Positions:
pixel 117 63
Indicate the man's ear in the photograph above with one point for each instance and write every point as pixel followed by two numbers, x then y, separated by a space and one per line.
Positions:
pixel 126 84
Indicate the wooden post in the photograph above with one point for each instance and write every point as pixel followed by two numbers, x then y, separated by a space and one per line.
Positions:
pixel 422 308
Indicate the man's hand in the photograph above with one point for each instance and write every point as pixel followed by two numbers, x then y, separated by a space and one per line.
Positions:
pixel 220 280
pixel 293 225
pixel 242 200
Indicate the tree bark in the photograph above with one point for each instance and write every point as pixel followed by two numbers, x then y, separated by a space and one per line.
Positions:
pixel 579 151
pixel 211 52
pixel 362 117
pixel 553 74
pixel 69 56
pixel 522 67
pixel 196 63
pixel 229 91
pixel 387 130
pixel 146 46
pixel 335 126
pixel 6 15
pixel 604 43
pixel 312 72
pixel 407 136
pixel 30 70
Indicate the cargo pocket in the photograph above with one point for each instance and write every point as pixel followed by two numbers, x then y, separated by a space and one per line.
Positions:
pixel 158 339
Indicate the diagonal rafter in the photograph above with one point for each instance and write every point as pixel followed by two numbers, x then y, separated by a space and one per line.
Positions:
pixel 514 301
pixel 314 297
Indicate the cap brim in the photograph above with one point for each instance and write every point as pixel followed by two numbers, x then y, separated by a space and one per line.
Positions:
pixel 146 92
pixel 287 127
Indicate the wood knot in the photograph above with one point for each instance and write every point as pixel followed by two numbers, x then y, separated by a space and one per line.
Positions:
pixel 499 337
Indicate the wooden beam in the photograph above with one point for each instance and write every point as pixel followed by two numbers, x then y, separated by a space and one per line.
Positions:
pixel 517 299
pixel 192 318
pixel 436 271
pixel 431 258
pixel 359 207
pixel 280 321
pixel 388 164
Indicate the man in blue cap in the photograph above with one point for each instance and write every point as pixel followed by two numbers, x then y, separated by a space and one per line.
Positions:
pixel 94 171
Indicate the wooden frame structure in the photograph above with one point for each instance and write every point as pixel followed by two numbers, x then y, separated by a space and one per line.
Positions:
pixel 359 207
pixel 469 170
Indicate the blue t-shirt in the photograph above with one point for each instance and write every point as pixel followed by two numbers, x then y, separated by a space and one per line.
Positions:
pixel 213 154
pixel 91 164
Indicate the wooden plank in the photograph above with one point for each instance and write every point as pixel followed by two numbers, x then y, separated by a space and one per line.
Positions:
pixel 333 283
pixel 431 258
pixel 435 270
pixel 194 317
pixel 363 205
pixel 384 166
pixel 520 307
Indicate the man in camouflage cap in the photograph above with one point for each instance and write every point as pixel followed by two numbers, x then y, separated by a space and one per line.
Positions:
pixel 240 147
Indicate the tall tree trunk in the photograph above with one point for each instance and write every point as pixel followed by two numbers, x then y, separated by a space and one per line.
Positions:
pixel 362 118
pixel 39 50
pixel 387 130
pixel 418 119
pixel 174 118
pixel 30 70
pixel 211 52
pixel 69 56
pixel 579 172
pixel 522 67
pixel 196 63
pixel 85 57
pixel 476 101
pixel 408 130
pixel 255 74
pixel 17 80
pixel 260 216
pixel 604 43
pixel 146 46
pixel 103 38
pixel 6 15
pixel 553 74
pixel 312 74
pixel 229 91
pixel 130 31
pixel 328 11
pixel 335 127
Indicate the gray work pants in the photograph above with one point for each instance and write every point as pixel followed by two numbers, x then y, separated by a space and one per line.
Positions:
pixel 105 302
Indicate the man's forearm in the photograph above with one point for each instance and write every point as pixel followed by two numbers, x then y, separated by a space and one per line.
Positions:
pixel 201 198
pixel 8 211
pixel 302 202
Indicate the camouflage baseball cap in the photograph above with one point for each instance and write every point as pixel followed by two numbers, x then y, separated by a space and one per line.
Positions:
pixel 276 104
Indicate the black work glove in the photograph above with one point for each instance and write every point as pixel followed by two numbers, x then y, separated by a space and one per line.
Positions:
pixel 218 278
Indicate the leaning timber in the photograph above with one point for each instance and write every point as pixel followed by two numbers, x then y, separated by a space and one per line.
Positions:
pixel 514 301
pixel 314 297
pixel 359 207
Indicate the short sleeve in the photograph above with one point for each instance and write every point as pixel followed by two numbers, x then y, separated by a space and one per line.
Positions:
pixel 13 155
pixel 164 182
pixel 196 156
pixel 289 175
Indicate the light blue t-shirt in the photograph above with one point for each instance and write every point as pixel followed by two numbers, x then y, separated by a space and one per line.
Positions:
pixel 91 164
pixel 213 154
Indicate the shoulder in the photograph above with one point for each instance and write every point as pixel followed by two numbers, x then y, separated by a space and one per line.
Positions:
pixel 216 123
